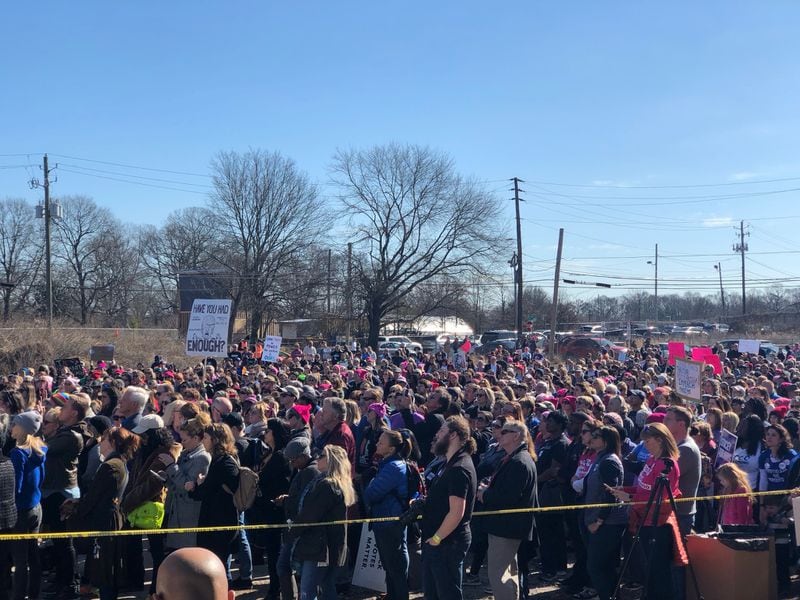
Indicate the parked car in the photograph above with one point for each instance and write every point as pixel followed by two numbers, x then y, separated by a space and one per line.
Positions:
pixel 403 340
pixel 498 334
pixel 429 343
pixel 489 347
pixel 766 348
pixel 389 348
pixel 579 346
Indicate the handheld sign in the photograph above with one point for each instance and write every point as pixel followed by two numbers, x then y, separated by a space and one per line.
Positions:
pixel 714 361
pixel 676 350
pixel 272 348
pixel 726 447
pixel 369 572
pixel 207 334
pixel 749 346
pixel 688 375
pixel 97 353
pixel 701 352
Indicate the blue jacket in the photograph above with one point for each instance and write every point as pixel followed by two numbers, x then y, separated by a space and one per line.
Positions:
pixel 386 490
pixel 28 476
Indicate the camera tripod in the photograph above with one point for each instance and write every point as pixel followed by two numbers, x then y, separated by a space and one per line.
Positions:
pixel 656 499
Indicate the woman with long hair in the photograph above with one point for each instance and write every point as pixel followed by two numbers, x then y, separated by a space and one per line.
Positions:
pixel 109 397
pixel 749 447
pixel 776 461
pixel 99 510
pixel 660 542
pixel 604 527
pixel 321 550
pixel 28 458
pixel 274 473
pixel 216 503
pixel 734 511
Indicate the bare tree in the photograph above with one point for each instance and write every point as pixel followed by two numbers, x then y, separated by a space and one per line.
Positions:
pixel 185 242
pixel 416 220
pixel 21 253
pixel 82 238
pixel 268 213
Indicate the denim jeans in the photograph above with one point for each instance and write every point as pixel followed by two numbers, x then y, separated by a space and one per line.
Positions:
pixel 313 577
pixel 63 549
pixel 602 558
pixel 27 568
pixel 442 564
pixel 243 555
pixel 391 542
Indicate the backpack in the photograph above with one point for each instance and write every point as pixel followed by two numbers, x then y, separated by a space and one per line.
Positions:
pixel 415 484
pixel 245 494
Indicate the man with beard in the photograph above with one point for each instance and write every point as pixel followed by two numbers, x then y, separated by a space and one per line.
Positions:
pixel 448 510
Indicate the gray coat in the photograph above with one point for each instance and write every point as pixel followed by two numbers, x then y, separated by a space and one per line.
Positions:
pixel 179 509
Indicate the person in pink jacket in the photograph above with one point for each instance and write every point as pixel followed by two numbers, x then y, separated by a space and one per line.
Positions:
pixel 735 511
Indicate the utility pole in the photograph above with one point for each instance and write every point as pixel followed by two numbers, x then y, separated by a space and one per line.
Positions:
pixel 349 288
pixel 741 248
pixel 517 181
pixel 328 304
pixel 554 309
pixel 46 213
pixel 655 264
pixel 718 267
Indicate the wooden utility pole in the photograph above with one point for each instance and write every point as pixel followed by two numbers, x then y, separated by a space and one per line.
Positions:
pixel 741 248
pixel 554 308
pixel 518 273
pixel 349 289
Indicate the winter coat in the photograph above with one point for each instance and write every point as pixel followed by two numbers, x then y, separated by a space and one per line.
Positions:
pixel 513 485
pixel 181 510
pixel 387 493
pixel 323 502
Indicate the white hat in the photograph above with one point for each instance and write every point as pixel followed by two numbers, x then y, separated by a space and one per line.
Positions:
pixel 148 422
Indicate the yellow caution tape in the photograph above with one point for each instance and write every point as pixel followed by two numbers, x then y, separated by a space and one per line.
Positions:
pixel 56 535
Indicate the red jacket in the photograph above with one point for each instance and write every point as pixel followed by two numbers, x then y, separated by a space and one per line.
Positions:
pixel 737 511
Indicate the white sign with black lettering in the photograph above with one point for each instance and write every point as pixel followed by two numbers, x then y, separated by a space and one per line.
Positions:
pixel 369 572
pixel 207 334
pixel 688 375
pixel 272 348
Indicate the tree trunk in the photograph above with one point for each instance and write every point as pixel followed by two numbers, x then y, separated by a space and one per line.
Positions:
pixel 374 319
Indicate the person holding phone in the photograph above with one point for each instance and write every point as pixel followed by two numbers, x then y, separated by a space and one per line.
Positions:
pixel 662 542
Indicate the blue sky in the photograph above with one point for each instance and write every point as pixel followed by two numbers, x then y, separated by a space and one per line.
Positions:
pixel 619 97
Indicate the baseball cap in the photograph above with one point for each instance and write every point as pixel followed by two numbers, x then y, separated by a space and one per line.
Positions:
pixel 148 422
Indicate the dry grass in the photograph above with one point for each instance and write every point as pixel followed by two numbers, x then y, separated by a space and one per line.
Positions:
pixel 29 345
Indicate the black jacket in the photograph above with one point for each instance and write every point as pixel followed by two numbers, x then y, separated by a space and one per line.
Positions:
pixel 323 502
pixel 8 506
pixel 63 450
pixel 513 486
pixel 217 506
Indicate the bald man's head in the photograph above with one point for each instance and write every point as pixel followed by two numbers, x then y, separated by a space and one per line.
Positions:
pixel 192 574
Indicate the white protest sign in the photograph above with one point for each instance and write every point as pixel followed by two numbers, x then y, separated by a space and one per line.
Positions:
pixel 272 348
pixel 749 346
pixel 726 447
pixel 688 375
pixel 796 510
pixel 207 334
pixel 368 572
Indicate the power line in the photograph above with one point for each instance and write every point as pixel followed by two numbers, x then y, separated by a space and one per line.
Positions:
pixel 204 185
pixel 151 185
pixel 129 166
pixel 664 187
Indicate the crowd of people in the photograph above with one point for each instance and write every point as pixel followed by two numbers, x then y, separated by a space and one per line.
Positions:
pixel 419 443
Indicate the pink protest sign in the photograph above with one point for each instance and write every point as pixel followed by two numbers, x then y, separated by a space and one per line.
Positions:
pixel 713 360
pixel 699 354
pixel 676 350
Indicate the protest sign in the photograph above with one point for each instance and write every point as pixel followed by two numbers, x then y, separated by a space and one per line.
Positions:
pixel 749 346
pixel 676 350
pixel 74 365
pixel 368 572
pixel 688 375
pixel 714 361
pixel 726 447
pixel 699 353
pixel 207 334
pixel 97 353
pixel 272 348
pixel 796 510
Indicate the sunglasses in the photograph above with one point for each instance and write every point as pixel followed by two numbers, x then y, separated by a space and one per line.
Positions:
pixel 117 418
pixel 505 431
pixel 586 431
pixel 596 435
